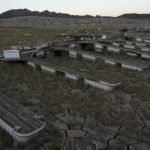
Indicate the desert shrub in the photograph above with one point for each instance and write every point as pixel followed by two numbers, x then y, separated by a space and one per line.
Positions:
pixel 6 140
pixel 53 136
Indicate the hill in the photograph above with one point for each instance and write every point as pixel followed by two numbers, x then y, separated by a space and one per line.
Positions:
pixel 135 16
pixel 25 12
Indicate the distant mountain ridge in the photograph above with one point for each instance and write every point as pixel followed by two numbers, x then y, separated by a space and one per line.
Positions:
pixel 25 12
pixel 135 16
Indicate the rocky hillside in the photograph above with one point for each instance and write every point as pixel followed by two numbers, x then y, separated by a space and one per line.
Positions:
pixel 135 16
pixel 50 22
pixel 25 12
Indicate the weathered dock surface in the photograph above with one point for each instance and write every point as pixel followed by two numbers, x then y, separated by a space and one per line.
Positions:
pixel 21 123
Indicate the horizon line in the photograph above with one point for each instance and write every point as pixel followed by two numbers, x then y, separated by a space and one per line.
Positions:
pixel 72 14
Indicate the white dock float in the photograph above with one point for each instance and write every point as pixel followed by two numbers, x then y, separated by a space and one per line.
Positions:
pixel 12 54
pixel 101 82
pixel 100 85
pixel 139 39
pixel 104 37
pixel 72 54
pixel 147 41
pixel 82 38
pixel 129 46
pixel 21 138
pixel 98 47
pixel 110 62
pixel 70 76
pixel 31 64
pixel 145 49
pixel 131 67
pixel 72 45
pixel 131 54
pixel 89 57
pixel 18 116
pixel 27 47
pixel 115 44
pixel 113 49
pixel 40 53
pixel 145 56
pixel 48 69
pixel 141 44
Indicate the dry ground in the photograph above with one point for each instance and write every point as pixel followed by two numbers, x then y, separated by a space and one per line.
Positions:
pixel 117 120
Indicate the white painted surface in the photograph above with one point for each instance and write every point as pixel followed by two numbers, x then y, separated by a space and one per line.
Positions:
pixel 72 54
pixel 11 54
pixel 104 37
pixel 41 46
pixel 89 57
pixel 131 67
pixel 147 41
pixel 145 49
pixel 77 45
pixel 31 64
pixel 98 46
pixel 100 85
pixel 27 47
pixel 72 45
pixel 49 69
pixel 145 56
pixel 68 37
pixel 21 138
pixel 129 46
pixel 39 53
pixel 131 54
pixel 139 39
pixel 98 50
pixel 70 76
pixel 82 38
pixel 115 44
pixel 6 127
pixel 140 44
pixel 110 62
pixel 113 49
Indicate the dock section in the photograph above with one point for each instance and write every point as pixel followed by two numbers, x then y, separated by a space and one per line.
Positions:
pixel 18 121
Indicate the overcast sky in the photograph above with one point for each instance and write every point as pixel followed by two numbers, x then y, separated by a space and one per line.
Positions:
pixel 80 7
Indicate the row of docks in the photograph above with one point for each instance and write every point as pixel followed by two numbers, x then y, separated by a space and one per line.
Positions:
pixel 23 124
pixel 90 51
pixel 18 121
pixel 87 50
pixel 87 36
pixel 93 57
pixel 114 47
pixel 102 82
pixel 139 47
pixel 83 37
pixel 134 43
